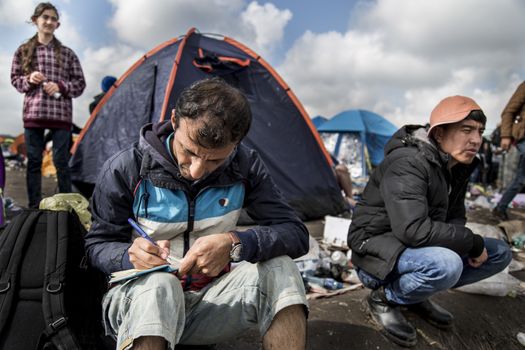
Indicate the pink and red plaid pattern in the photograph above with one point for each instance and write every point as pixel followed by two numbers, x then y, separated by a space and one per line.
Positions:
pixel 40 109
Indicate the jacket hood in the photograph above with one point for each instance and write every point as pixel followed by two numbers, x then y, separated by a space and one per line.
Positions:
pixel 416 136
pixel 152 142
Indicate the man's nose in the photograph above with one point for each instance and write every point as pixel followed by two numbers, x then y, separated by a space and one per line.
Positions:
pixel 479 139
pixel 197 169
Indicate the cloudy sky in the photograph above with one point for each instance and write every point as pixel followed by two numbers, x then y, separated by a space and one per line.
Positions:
pixel 397 58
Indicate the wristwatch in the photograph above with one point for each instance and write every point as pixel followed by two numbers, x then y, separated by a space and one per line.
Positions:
pixel 236 249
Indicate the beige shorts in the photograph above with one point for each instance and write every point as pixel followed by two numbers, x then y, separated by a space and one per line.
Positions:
pixel 247 297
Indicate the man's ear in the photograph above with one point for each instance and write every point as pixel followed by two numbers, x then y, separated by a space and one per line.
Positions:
pixel 438 134
pixel 58 25
pixel 173 119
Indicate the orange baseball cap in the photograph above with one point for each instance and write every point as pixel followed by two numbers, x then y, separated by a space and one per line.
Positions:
pixel 452 110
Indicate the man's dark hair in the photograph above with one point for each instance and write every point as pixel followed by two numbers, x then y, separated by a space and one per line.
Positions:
pixel 222 109
pixel 477 116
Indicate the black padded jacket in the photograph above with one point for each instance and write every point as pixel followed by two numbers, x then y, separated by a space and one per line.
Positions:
pixel 411 200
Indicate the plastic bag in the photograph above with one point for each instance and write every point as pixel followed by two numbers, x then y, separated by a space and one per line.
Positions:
pixel 69 201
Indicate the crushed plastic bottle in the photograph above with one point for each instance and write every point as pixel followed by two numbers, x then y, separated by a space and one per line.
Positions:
pixel 326 282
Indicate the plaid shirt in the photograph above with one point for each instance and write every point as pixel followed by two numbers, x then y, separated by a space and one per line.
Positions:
pixel 40 109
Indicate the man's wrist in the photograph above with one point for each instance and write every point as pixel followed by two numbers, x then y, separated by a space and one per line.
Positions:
pixel 236 247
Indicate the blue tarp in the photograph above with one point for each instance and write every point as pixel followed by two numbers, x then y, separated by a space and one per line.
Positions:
pixel 373 131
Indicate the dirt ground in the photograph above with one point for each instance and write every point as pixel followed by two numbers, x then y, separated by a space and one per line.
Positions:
pixel 341 322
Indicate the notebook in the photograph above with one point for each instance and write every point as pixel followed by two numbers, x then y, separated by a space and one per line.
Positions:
pixel 130 274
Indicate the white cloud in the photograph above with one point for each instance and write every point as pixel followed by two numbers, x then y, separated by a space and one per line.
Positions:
pixel 68 34
pixel 399 58
pixel 144 24
pixel 12 13
pixel 268 23
pixel 11 99
pixel 96 64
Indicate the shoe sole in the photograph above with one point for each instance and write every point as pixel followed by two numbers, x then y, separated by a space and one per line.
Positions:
pixel 407 343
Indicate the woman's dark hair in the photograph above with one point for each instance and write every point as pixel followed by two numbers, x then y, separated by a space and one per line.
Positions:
pixel 222 109
pixel 28 49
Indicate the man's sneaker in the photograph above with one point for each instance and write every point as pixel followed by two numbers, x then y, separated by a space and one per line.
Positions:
pixel 500 214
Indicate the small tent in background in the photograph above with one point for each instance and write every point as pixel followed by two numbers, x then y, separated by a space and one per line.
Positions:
pixel 281 131
pixel 318 121
pixel 357 137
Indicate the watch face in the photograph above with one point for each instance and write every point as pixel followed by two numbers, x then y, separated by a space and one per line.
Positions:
pixel 235 253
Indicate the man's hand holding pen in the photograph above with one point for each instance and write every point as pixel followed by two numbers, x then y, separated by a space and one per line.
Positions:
pixel 144 255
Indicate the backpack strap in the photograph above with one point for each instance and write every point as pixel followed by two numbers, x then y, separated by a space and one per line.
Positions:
pixel 12 243
pixel 57 329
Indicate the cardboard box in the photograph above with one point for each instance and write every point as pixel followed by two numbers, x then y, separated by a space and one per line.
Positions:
pixel 336 231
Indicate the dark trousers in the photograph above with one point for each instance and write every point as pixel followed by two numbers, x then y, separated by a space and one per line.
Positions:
pixel 34 138
pixel 517 183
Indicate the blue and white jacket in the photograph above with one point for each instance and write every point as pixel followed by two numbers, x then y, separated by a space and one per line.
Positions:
pixel 144 182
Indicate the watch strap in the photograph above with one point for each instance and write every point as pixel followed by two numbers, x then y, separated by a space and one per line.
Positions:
pixel 235 239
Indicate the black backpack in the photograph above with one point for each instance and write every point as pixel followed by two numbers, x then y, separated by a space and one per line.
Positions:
pixel 49 297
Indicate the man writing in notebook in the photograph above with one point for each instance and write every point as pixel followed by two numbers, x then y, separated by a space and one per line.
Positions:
pixel 185 183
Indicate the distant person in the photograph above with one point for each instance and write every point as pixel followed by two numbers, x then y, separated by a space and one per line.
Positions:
pixel 2 185
pixel 513 131
pixel 106 84
pixel 408 235
pixel 482 173
pixel 50 75
pixel 344 180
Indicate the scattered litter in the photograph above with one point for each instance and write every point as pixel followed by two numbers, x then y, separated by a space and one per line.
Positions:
pixel 489 231
pixel 326 269
pixel 336 231
pixel 325 282
pixel 500 284
pixel 519 201
pixel 350 277
pixel 317 292
pixel 521 338
pixel 515 265
pixel 481 202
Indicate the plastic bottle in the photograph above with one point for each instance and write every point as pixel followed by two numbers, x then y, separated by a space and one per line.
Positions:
pixel 57 94
pixel 519 241
pixel 339 258
pixel 327 282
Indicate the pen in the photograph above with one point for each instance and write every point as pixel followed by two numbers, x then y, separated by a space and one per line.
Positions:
pixel 144 235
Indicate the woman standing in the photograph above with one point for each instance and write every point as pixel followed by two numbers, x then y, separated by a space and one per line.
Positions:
pixel 50 75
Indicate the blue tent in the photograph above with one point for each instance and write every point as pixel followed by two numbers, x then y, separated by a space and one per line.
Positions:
pixel 318 121
pixel 281 131
pixel 353 135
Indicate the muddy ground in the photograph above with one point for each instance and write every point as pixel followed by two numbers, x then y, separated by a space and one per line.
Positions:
pixel 341 322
